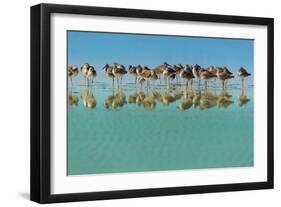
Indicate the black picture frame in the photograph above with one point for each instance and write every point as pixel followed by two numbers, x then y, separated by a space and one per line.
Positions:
pixel 41 98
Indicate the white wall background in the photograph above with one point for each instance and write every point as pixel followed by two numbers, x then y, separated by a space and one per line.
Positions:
pixel 14 104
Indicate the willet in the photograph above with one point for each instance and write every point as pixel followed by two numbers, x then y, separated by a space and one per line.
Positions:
pixel 243 74
pixel 205 75
pixel 159 71
pixel 72 72
pixel 186 74
pixel 108 70
pixel 223 75
pixel 146 75
pixel 119 71
pixel 91 74
pixel 177 70
pixel 153 76
pixel 84 69
pixel 133 71
pixel 195 70
pixel 168 73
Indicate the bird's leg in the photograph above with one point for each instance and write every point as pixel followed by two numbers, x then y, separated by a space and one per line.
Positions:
pixel 117 82
pixel 223 84
pixel 170 82
pixel 92 82
pixel 206 84
pixel 242 83
pixel 112 82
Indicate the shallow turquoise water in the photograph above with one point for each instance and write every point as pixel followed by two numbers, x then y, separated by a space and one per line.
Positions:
pixel 132 129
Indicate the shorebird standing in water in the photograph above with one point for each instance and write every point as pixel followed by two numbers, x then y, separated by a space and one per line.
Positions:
pixel 153 77
pixel 243 74
pixel 205 75
pixel 72 71
pixel 168 73
pixel 139 70
pixel 108 70
pixel 177 70
pixel 84 69
pixel 89 73
pixel 186 74
pixel 223 75
pixel 119 71
pixel 133 71
pixel 195 70
pixel 158 71
pixel 146 74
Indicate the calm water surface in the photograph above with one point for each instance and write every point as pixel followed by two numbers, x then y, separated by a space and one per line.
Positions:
pixel 133 129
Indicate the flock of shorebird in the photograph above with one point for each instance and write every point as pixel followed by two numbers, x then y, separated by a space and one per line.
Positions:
pixel 149 75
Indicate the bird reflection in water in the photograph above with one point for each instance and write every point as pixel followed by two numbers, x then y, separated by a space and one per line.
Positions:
pixel 242 99
pixel 72 100
pixel 167 98
pixel 207 100
pixel 224 99
pixel 147 100
pixel 186 102
pixel 88 98
pixel 204 99
pixel 183 98
pixel 116 100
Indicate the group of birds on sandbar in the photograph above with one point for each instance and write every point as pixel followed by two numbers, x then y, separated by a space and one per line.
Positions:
pixel 165 71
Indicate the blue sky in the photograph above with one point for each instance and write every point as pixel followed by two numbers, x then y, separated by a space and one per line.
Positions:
pixel 151 50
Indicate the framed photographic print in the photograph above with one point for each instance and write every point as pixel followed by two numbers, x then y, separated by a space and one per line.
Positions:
pixel 133 103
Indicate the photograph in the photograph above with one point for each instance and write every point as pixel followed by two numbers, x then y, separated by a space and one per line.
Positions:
pixel 129 103
pixel 140 103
